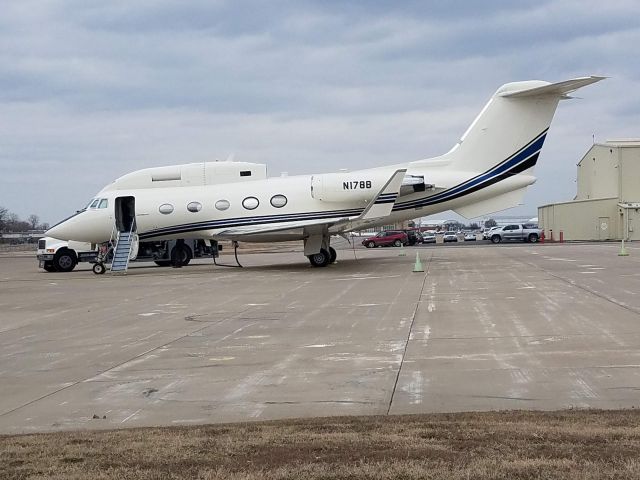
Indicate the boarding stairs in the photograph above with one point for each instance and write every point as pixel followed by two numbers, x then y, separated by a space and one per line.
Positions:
pixel 121 252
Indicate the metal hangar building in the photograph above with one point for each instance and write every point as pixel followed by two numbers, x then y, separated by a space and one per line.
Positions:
pixel 607 204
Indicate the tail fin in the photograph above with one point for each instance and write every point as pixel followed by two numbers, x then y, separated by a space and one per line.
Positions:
pixel 512 126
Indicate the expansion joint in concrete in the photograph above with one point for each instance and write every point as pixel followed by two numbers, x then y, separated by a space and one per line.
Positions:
pixel 406 344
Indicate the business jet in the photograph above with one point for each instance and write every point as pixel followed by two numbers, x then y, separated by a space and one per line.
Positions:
pixel 488 170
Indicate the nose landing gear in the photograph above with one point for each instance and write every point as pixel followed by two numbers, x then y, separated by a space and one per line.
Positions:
pixel 99 268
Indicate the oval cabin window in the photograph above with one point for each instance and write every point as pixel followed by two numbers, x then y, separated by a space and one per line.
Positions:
pixel 194 207
pixel 278 201
pixel 222 204
pixel 166 208
pixel 250 203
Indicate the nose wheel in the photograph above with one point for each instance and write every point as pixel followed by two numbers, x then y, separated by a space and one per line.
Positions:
pixel 99 268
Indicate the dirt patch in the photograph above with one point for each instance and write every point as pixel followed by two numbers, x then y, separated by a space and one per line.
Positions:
pixel 494 445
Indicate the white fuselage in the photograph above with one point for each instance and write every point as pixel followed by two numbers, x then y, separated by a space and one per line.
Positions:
pixel 95 225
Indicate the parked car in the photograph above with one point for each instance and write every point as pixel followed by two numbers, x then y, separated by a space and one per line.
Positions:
pixel 413 236
pixel 450 236
pixel 518 232
pixel 469 237
pixel 386 239
pixel 428 237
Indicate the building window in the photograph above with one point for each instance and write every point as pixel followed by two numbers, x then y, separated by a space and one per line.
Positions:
pixel 278 201
pixel 194 207
pixel 222 205
pixel 250 203
pixel 166 208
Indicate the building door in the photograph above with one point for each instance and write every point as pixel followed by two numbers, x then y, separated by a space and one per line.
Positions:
pixel 603 228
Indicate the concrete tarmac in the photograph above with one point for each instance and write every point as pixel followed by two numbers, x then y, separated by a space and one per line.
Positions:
pixel 486 327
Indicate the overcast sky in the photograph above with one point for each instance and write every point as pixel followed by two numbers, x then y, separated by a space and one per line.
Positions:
pixel 91 90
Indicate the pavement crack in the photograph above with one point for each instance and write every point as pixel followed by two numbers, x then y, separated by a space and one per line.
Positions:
pixel 406 344
pixel 77 382
pixel 581 287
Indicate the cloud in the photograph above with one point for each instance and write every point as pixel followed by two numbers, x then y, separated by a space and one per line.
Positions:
pixel 95 89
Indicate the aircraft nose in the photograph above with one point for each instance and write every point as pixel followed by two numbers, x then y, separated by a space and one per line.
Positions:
pixel 78 227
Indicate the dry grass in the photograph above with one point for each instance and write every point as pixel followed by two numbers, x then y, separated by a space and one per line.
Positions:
pixel 504 445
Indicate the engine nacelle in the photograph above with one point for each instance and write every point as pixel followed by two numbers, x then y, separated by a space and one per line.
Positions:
pixel 347 186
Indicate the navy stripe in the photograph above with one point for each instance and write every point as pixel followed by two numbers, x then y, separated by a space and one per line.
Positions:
pixel 497 173
pixel 263 219
pixel 239 222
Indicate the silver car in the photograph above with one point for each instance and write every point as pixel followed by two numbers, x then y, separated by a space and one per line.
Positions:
pixel 450 236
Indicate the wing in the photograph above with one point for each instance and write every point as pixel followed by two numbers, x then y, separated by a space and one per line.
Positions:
pixel 380 206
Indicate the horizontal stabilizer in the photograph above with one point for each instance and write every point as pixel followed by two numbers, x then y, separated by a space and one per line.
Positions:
pixel 492 205
pixel 559 89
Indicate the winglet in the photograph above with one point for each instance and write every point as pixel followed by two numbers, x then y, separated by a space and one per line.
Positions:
pixel 382 204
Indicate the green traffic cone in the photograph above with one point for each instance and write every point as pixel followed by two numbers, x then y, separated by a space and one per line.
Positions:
pixel 418 266
pixel 623 251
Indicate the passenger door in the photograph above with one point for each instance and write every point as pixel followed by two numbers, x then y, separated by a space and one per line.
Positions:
pixel 384 238
pixel 510 232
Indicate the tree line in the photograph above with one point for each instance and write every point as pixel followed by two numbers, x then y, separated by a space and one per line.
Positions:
pixel 11 222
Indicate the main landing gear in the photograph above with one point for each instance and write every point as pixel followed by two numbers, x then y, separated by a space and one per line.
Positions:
pixel 323 257
pixel 317 248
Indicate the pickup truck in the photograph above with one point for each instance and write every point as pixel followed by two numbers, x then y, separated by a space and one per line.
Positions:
pixel 520 232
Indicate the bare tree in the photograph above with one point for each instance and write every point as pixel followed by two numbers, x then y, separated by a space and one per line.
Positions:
pixel 33 221
pixel 4 213
pixel 490 223
pixel 14 224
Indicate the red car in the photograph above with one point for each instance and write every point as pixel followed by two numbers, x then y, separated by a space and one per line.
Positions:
pixel 387 238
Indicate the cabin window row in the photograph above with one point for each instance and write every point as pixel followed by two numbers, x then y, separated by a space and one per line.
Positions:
pixel 249 203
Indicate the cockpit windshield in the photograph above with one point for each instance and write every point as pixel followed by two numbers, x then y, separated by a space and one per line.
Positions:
pixel 97 203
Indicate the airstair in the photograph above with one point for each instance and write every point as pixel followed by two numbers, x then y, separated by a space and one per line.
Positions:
pixel 121 252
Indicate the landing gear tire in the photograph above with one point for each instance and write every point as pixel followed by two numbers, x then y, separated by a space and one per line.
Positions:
pixel 370 245
pixel 186 256
pixel 98 268
pixel 64 260
pixel 333 255
pixel 48 267
pixel 320 259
